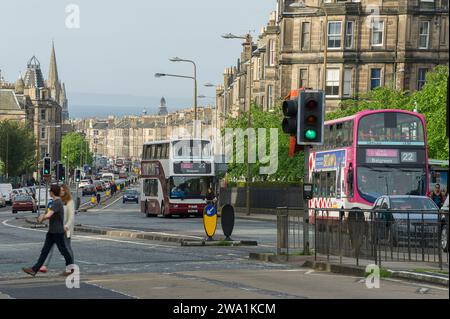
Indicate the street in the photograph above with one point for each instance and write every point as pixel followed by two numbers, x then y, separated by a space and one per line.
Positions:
pixel 131 268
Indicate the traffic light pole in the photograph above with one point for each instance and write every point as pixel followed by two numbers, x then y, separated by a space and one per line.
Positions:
pixel 306 205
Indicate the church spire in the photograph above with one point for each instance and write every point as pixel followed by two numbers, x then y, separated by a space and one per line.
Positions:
pixel 52 79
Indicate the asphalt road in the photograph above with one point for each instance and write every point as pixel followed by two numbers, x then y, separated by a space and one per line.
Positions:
pixel 128 268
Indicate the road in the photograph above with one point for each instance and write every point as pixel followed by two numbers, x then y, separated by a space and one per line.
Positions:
pixel 128 268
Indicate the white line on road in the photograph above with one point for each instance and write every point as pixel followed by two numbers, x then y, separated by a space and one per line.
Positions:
pixel 5 223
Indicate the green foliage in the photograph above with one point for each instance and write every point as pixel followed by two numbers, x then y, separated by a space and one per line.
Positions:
pixel 17 148
pixel 288 169
pixel 430 101
pixel 76 148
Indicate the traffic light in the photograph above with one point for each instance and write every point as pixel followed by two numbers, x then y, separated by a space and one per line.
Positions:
pixel 77 175
pixel 61 172
pixel 47 166
pixel 304 117
pixel 311 118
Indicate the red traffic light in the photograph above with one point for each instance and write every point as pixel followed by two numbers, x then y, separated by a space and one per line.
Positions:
pixel 312 104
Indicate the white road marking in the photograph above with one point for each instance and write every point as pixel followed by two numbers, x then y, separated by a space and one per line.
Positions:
pixel 5 223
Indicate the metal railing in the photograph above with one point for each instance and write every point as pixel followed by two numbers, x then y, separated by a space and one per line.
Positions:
pixel 376 235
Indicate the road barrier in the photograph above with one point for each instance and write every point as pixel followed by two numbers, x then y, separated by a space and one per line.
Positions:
pixel 376 235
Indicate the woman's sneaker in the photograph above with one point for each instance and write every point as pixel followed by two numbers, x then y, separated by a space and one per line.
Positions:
pixel 43 269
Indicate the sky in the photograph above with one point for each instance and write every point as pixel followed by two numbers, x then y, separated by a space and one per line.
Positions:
pixel 108 63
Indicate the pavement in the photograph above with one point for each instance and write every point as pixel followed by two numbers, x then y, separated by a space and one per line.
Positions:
pixel 118 267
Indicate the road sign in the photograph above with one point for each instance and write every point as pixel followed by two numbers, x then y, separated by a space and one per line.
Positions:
pixel 210 220
pixel 227 220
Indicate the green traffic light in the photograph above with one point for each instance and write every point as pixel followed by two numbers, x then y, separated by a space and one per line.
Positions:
pixel 310 134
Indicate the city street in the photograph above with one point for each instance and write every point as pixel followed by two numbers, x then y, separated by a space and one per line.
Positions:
pixel 129 268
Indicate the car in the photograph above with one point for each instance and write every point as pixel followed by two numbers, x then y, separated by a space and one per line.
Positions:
pixel 6 190
pixel 89 190
pixel 444 227
pixel 99 186
pixel 131 196
pixel 24 203
pixel 41 197
pixel 83 183
pixel 2 200
pixel 405 223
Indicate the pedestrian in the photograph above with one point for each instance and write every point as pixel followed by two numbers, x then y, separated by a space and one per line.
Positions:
pixel 55 234
pixel 69 222
pixel 437 196
pixel 98 198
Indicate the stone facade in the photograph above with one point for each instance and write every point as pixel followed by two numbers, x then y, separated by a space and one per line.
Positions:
pixel 124 137
pixel 369 43
pixel 38 103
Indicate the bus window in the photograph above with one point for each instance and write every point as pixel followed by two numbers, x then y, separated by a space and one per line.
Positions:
pixel 150 187
pixel 316 182
pixel 153 151
pixel 323 185
pixel 331 184
pixel 326 139
pixel 345 133
pixel 158 151
pixel 332 137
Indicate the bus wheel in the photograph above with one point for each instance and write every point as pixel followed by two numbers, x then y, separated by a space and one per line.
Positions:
pixel 163 211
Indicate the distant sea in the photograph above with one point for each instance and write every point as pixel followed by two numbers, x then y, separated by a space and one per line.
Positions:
pixel 83 105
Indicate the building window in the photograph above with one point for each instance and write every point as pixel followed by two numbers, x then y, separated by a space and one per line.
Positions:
pixel 305 35
pixel 334 35
pixel 347 82
pixel 349 31
pixel 43 115
pixel 303 78
pixel 421 78
pixel 377 33
pixel 332 88
pixel 43 132
pixel 270 101
pixel 272 52
pixel 375 78
pixel 424 34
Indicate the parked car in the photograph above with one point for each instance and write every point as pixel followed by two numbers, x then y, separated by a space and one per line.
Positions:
pixel 89 190
pixel 405 223
pixel 24 203
pixel 2 200
pixel 131 196
pixel 6 190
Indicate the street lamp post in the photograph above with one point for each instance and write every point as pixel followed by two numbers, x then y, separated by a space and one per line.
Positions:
pixel 177 59
pixel 248 39
pixel 160 75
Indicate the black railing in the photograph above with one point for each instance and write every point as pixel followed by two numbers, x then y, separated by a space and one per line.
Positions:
pixel 375 235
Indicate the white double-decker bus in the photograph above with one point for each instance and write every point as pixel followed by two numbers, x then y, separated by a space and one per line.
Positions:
pixel 176 176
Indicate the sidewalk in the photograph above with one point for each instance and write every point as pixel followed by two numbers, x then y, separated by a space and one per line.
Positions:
pixel 413 271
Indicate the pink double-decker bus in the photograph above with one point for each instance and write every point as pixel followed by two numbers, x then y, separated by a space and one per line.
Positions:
pixel 367 155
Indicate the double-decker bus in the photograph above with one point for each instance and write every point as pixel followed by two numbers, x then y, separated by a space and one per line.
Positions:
pixel 369 154
pixel 176 176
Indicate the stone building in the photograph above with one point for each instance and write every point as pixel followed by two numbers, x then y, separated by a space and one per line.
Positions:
pixel 366 43
pixel 38 103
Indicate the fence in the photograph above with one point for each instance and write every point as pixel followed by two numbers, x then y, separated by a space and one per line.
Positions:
pixel 377 235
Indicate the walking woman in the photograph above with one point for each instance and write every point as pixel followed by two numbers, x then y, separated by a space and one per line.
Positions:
pixel 55 234
pixel 69 223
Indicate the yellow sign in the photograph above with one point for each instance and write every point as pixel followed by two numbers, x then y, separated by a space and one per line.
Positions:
pixel 329 160
pixel 210 220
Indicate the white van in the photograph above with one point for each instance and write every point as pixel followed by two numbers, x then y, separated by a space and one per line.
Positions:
pixel 41 200
pixel 108 177
pixel 6 190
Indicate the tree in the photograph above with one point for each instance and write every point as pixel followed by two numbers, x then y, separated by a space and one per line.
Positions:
pixel 288 169
pixel 76 148
pixel 431 102
pixel 17 148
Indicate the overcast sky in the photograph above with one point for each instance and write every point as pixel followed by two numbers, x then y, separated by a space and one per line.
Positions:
pixel 121 44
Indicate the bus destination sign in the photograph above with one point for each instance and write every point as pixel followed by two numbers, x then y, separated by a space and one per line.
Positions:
pixel 192 168
pixel 382 156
